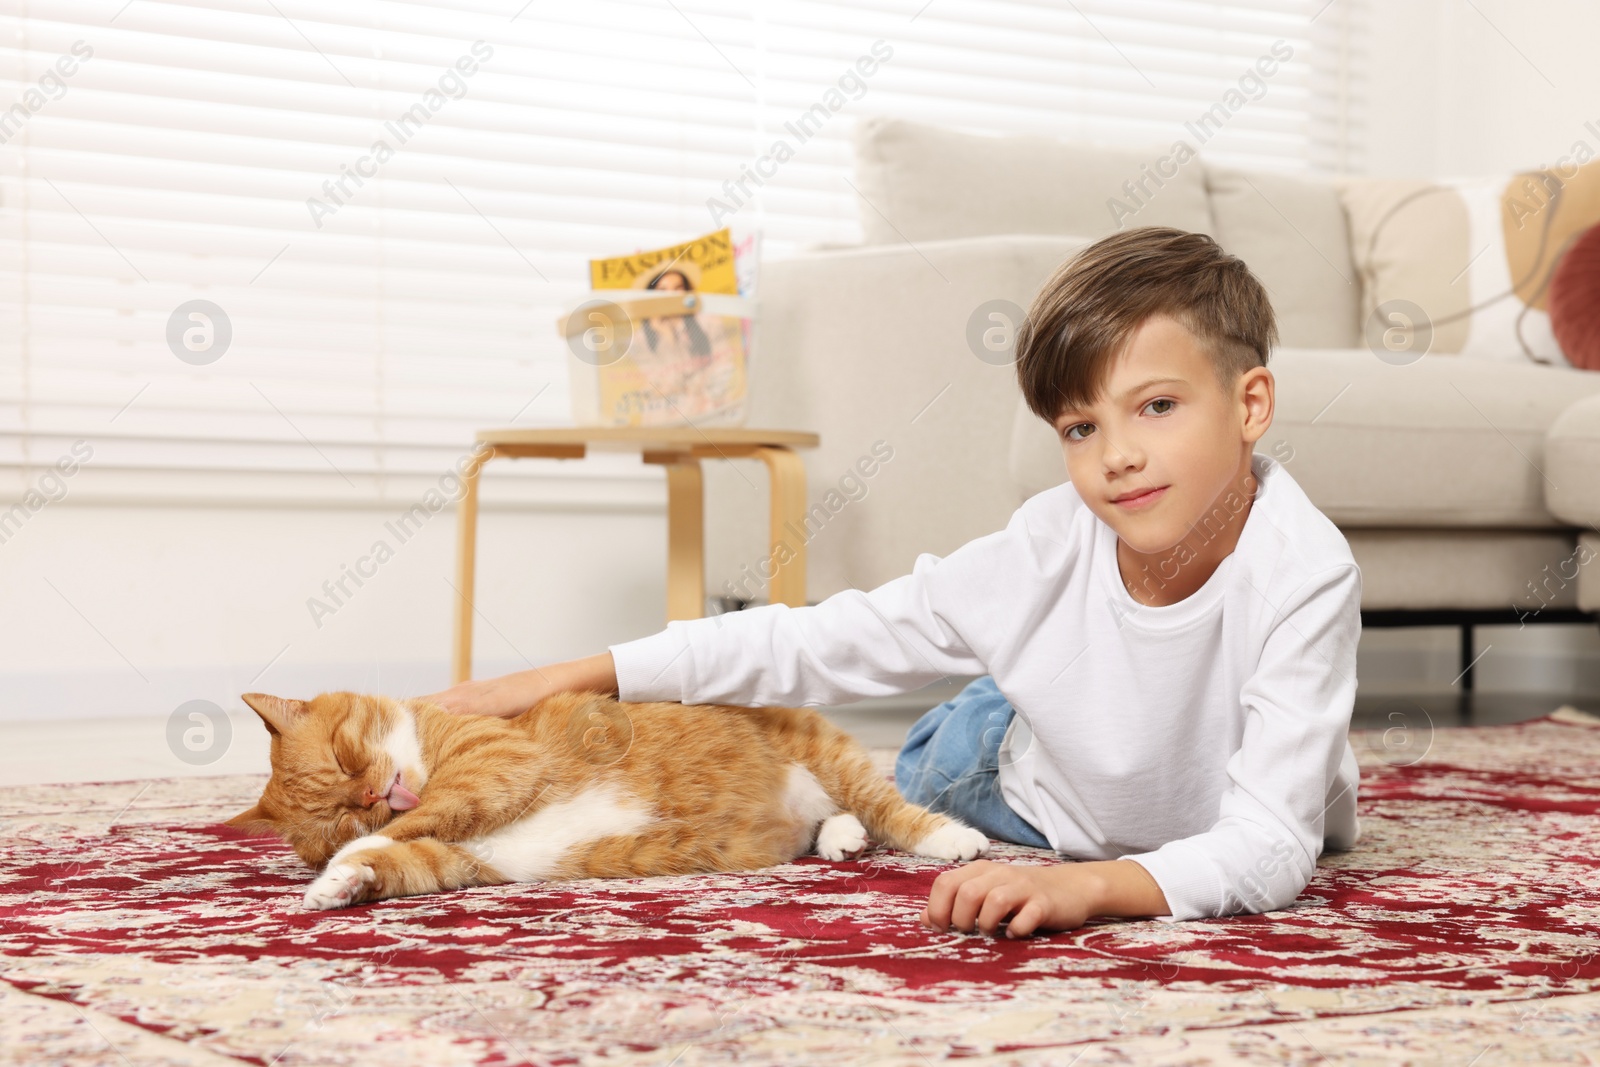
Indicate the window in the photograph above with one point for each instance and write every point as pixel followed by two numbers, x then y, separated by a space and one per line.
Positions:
pixel 390 203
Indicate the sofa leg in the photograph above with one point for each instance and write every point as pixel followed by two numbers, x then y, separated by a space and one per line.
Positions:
pixel 1466 658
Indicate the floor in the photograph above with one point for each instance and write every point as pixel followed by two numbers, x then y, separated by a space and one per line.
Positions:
pixel 1461 933
pixel 117 749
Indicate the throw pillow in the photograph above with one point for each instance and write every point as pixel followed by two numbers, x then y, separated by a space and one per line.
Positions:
pixel 1465 266
pixel 918 182
pixel 1575 301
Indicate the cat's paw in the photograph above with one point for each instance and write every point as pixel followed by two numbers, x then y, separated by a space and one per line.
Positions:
pixel 952 841
pixel 841 837
pixel 338 886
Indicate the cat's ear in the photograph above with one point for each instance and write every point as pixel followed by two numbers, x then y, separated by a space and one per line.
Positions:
pixel 278 713
pixel 254 821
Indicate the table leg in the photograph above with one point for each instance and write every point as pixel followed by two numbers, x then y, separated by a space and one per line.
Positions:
pixel 787 474
pixel 466 563
pixel 686 549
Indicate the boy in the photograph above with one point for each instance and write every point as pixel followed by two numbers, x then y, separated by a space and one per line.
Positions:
pixel 1169 637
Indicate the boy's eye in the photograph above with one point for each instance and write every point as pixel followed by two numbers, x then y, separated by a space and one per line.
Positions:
pixel 1075 426
pixel 1160 400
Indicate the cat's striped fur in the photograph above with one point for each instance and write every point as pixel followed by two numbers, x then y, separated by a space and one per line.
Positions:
pixel 391 798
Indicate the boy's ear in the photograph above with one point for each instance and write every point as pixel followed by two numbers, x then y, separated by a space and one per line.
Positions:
pixel 254 821
pixel 1256 394
pixel 279 714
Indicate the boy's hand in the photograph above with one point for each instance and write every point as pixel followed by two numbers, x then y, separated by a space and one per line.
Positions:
pixel 984 893
pixel 512 694
pixel 507 696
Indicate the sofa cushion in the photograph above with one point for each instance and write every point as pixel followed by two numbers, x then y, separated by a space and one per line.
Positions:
pixel 920 182
pixel 1572 463
pixel 1291 231
pixel 1438 442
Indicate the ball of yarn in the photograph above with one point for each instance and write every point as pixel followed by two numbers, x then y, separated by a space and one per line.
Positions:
pixel 1575 301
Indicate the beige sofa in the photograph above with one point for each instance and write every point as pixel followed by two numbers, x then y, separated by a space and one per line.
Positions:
pixel 1464 486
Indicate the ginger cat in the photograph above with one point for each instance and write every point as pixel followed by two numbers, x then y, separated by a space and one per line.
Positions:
pixel 392 798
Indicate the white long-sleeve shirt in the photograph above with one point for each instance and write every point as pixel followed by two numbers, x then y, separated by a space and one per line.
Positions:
pixel 1206 739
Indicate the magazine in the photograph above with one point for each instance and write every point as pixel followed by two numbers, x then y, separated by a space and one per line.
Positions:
pixel 677 368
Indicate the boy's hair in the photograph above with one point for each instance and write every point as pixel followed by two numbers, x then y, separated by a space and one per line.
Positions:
pixel 1083 317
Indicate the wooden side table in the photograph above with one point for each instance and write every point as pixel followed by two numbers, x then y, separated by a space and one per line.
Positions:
pixel 679 449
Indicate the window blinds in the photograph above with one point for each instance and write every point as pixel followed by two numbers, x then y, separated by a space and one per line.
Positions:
pixel 293 249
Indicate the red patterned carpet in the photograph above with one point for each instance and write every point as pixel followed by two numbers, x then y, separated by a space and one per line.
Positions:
pixel 1462 930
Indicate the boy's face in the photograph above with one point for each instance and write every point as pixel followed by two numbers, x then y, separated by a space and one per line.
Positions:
pixel 1182 443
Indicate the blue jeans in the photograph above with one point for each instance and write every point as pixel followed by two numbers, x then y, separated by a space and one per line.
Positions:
pixel 951 763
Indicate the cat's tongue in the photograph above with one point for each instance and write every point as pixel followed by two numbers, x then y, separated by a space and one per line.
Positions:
pixel 401 798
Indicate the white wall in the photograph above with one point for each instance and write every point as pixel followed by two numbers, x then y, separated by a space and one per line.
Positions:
pixel 133 610
pixel 156 605
pixel 1462 89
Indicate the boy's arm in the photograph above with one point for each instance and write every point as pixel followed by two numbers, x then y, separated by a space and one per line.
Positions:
pixel 596 674
pixel 944 618
pixel 901 636
pixel 1263 848
pixel 851 646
